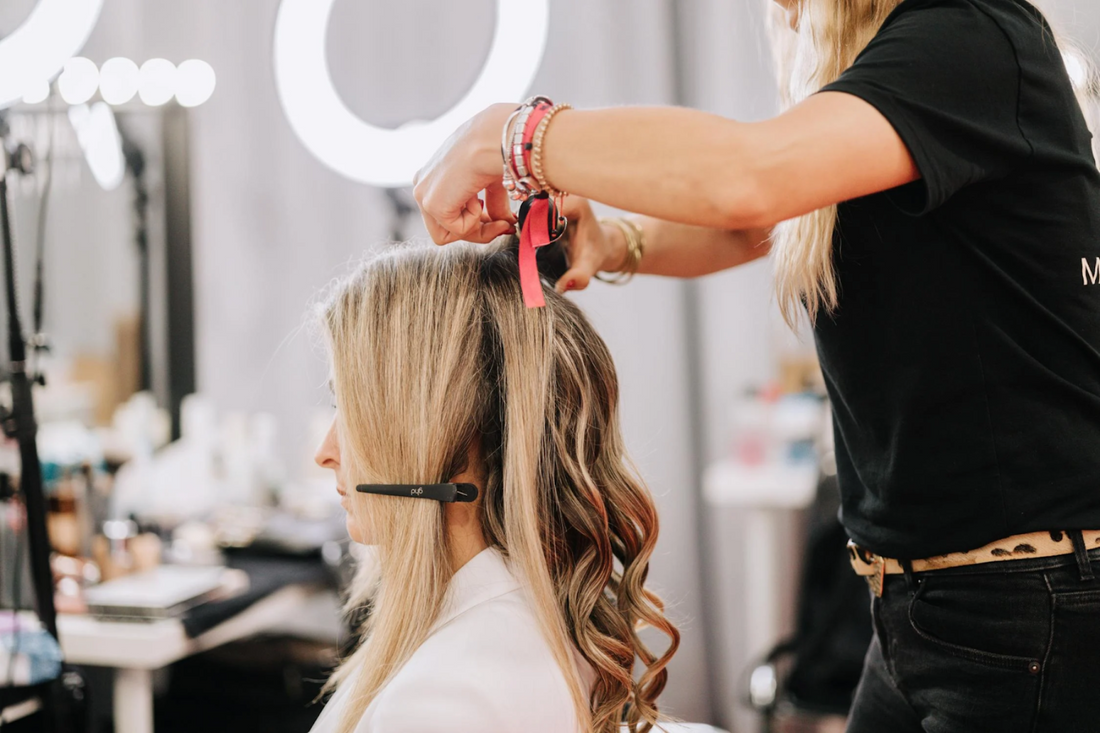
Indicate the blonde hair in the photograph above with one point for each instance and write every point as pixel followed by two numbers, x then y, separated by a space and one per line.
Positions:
pixel 433 352
pixel 828 36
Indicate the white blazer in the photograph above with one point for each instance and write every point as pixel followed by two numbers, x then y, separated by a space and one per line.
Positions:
pixel 485 668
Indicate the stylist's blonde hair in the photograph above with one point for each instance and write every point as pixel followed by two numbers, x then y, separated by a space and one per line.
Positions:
pixel 829 34
pixel 433 352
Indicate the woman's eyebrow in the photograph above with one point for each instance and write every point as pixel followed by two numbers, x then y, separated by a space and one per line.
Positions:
pixel 331 388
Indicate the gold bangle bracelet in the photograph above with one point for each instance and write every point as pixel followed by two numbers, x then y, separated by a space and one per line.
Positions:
pixel 635 247
pixel 536 150
pixel 639 233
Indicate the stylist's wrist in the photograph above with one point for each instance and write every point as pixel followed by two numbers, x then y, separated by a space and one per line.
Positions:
pixel 487 159
pixel 616 249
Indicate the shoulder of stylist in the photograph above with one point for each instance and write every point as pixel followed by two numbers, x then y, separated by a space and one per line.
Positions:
pixel 945 74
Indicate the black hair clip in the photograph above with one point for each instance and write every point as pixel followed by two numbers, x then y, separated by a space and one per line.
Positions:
pixel 556 223
pixel 439 492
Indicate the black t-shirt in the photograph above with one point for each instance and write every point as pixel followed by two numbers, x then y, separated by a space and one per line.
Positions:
pixel 964 359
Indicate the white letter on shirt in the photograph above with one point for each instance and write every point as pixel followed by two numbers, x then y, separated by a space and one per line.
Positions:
pixel 1088 275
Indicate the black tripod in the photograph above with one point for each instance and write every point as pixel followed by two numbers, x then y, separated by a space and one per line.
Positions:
pixel 19 423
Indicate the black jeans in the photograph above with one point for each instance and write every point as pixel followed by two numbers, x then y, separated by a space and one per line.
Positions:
pixel 1007 647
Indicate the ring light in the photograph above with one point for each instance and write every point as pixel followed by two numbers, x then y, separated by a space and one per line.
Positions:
pixel 375 155
pixel 35 51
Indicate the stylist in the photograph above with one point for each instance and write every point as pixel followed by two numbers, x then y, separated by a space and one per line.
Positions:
pixel 931 200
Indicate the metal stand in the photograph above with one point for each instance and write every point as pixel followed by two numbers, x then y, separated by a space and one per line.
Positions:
pixel 20 424
pixel 135 164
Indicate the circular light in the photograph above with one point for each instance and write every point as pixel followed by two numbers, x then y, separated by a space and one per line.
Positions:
pixel 78 81
pixel 157 82
pixel 37 49
pixel 195 81
pixel 118 80
pixel 372 154
pixel 37 93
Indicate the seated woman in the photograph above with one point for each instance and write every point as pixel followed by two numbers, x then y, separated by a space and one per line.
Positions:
pixel 519 610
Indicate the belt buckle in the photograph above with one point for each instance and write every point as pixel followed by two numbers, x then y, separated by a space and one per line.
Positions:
pixel 877 578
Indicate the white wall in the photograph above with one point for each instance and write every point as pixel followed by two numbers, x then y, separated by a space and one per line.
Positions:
pixel 1078 20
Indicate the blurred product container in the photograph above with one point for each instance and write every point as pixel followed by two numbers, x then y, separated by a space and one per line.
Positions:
pixel 227 461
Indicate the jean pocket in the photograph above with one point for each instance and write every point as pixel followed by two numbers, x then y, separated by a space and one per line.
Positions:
pixel 990 620
pixel 1069 699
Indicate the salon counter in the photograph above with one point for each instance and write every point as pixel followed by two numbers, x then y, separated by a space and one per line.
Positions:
pixel 136 650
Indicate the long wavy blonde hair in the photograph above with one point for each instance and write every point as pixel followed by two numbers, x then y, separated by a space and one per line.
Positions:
pixel 826 38
pixel 433 353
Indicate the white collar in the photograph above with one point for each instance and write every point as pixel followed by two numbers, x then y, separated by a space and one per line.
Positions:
pixel 484 577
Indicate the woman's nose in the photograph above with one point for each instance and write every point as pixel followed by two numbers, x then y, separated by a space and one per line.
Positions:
pixel 328 453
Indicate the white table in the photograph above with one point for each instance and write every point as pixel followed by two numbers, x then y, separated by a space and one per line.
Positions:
pixel 135 650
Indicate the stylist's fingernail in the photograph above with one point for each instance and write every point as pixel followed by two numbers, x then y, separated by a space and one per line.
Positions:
pixel 571 284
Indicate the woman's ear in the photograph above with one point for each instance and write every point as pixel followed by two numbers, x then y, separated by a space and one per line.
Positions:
pixel 468 468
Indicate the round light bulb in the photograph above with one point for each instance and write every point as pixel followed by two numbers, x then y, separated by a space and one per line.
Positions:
pixel 195 82
pixel 157 82
pixel 54 32
pixel 37 93
pixel 118 80
pixel 78 81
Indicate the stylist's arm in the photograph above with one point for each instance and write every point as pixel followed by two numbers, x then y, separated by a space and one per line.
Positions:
pixel 678 167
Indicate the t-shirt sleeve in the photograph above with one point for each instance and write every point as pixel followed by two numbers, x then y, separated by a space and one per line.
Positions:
pixel 947 78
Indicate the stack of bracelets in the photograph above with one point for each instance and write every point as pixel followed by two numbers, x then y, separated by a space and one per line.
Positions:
pixel 525 180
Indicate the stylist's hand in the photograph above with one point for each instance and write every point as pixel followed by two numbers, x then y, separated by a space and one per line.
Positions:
pixel 448 187
pixel 592 246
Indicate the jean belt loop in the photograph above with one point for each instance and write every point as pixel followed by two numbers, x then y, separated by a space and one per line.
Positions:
pixel 910 578
pixel 1081 553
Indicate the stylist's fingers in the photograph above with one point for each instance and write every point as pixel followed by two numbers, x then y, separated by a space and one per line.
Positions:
pixel 438 233
pixel 469 225
pixel 580 273
pixel 490 231
pixel 496 203
pixel 586 252
pixel 483 233
pixel 479 227
pixel 587 245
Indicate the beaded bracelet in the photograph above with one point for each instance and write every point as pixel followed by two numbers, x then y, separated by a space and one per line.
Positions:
pixel 537 170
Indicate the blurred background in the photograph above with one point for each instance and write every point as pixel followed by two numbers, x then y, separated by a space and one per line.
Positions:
pixel 179 226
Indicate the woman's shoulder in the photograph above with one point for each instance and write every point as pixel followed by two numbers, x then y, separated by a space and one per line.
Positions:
pixel 488 669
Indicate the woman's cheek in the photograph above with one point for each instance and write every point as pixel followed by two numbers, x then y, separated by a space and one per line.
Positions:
pixel 357 528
